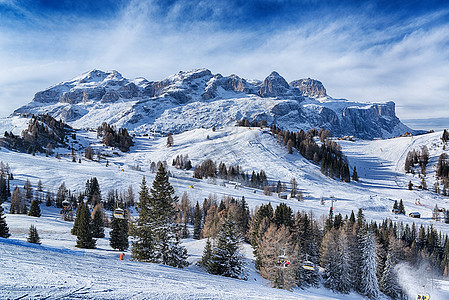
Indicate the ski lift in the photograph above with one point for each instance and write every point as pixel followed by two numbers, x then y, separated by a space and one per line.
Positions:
pixel 308 265
pixel 423 297
pixel 66 207
pixel 119 213
pixel 283 261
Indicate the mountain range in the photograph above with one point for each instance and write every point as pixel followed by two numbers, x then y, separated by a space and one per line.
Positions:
pixel 199 98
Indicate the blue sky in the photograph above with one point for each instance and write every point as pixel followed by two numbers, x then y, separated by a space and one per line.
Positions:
pixel 360 50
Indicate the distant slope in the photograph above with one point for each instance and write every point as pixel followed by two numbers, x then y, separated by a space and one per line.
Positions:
pixel 198 98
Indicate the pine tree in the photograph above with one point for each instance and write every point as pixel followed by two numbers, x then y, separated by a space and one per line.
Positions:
pixel 388 283
pixel 144 240
pixel 368 284
pixel 35 210
pixel 197 222
pixel 226 260
pixel 207 256
pixel 4 230
pixel 84 231
pixel 283 215
pixel 97 221
pixel 336 261
pixel 155 232
pixel 33 236
pixel 75 227
pixel 401 209
pixel 3 189
pixel 355 176
pixel 395 206
pixel 118 236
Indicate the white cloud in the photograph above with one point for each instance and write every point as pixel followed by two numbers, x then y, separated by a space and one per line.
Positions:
pixel 406 63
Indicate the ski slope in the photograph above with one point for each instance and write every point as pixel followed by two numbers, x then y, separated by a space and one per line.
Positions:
pixel 58 270
pixel 35 273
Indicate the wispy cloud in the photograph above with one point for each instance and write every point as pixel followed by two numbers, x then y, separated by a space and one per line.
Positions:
pixel 356 56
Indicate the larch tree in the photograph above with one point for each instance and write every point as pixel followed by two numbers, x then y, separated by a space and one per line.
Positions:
pixel 277 261
pixel 18 205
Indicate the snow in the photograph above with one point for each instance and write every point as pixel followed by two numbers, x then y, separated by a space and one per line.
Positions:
pixel 39 273
pixel 58 270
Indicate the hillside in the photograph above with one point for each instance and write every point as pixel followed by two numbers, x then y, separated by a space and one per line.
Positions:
pixel 199 98
pixel 379 164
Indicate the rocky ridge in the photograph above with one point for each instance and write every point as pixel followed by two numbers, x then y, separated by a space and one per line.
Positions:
pixel 199 98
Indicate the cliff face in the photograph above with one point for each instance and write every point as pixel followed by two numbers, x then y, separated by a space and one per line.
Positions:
pixel 310 87
pixel 200 98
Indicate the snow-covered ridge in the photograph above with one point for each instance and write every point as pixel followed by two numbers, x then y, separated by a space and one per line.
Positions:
pixel 199 98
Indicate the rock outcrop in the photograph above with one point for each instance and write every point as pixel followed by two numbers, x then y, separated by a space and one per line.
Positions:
pixel 310 87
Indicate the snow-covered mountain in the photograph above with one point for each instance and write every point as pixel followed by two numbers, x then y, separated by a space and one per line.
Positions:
pixel 198 98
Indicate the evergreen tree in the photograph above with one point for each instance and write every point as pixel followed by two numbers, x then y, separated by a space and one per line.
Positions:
pixel 395 206
pixel 4 230
pixel 388 283
pixel 33 236
pixel 93 192
pixel 97 221
pixel 355 176
pixel 144 240
pixel 3 189
pixel 368 284
pixel 35 210
pixel 118 236
pixel 76 223
pixel 226 260
pixel 283 215
pixel 207 256
pixel 197 222
pixel 336 261
pixel 155 231
pixel 401 209
pixel 84 232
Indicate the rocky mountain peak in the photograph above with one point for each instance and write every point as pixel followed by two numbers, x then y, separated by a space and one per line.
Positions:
pixel 95 75
pixel 310 87
pixel 274 85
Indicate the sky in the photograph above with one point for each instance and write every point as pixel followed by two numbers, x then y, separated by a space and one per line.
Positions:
pixel 360 50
